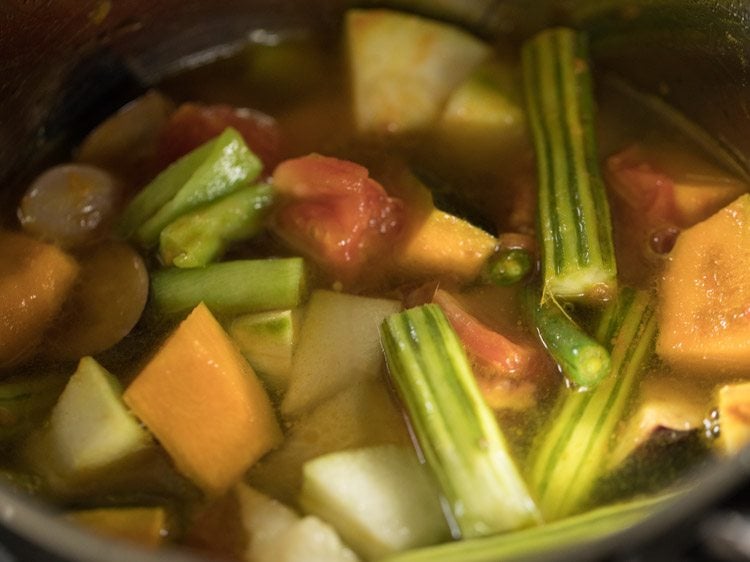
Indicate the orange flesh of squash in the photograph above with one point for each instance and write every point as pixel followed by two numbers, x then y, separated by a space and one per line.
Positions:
pixel 203 402
pixel 147 526
pixel 705 295
pixel 35 281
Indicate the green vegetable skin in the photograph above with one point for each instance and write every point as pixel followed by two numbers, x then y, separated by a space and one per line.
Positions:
pixel 574 222
pixel 209 172
pixel 201 236
pixel 232 287
pixel 508 267
pixel 456 430
pixel 570 454
pixel 582 359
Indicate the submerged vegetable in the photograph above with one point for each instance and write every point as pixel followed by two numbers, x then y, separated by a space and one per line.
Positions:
pixel 582 359
pixel 457 432
pixel 571 451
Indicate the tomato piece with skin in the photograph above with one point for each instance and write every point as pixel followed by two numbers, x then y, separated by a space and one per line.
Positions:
pixel 492 354
pixel 646 190
pixel 334 213
pixel 193 124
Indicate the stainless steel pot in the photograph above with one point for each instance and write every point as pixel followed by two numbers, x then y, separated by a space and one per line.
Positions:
pixel 66 64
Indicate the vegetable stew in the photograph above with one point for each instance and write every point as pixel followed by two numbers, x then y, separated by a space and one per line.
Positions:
pixel 401 294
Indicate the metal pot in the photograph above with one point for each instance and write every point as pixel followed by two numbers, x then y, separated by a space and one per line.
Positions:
pixel 66 64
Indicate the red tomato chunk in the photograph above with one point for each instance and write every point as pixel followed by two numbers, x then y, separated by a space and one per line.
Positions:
pixel 193 124
pixel 335 213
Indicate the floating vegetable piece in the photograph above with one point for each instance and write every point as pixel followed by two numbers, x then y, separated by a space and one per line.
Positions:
pixel 209 172
pixel 333 212
pixel 277 534
pixel 664 405
pixel 147 526
pixel 403 67
pixel 582 359
pixel 90 429
pixel 508 266
pixel 268 340
pixel 361 415
pixel 443 245
pixel 338 346
pixel 647 185
pixel 457 432
pixel 484 116
pixel 202 236
pixel 70 205
pixel 571 450
pixel 705 295
pixel 204 404
pixel 105 304
pixel 492 354
pixel 232 287
pixel 380 499
pixel 35 282
pixel 734 417
pixel 575 230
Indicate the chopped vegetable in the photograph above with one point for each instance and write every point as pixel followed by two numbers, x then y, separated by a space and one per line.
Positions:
pixel 34 284
pixel 443 245
pixel 572 449
pixel 147 526
pixel 194 124
pixel 457 432
pixel 201 236
pixel 105 304
pixel 338 346
pixel 705 295
pixel 232 287
pixel 646 185
pixel 25 401
pixel 90 429
pixel 204 404
pixel 734 417
pixel 549 539
pixel 380 499
pixel 404 67
pixel 508 266
pixel 211 171
pixel 332 211
pixel 664 404
pixel 578 258
pixel 484 115
pixel 582 359
pixel 267 340
pixel 491 353
pixel 125 143
pixel 70 205
pixel 361 415
pixel 278 534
